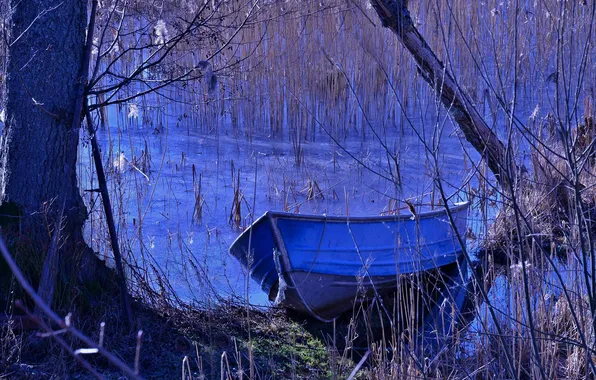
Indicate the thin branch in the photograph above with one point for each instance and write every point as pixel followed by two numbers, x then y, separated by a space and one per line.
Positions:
pixel 105 197
pixel 20 277
pixel 36 19
pixel 61 342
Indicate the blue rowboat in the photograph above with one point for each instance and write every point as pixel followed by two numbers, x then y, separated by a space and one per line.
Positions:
pixel 321 264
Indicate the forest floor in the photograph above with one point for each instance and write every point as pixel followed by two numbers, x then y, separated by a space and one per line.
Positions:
pixel 188 343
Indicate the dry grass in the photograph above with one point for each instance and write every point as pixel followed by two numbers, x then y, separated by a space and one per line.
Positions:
pixel 332 60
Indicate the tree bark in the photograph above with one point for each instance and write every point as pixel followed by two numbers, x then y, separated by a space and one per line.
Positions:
pixel 394 15
pixel 38 148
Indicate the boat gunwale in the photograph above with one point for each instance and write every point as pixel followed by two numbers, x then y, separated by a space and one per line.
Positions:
pixel 364 219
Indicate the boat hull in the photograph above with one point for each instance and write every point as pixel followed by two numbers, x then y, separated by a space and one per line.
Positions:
pixel 322 265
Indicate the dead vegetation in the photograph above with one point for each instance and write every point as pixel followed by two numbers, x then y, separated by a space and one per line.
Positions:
pixel 536 276
pixel 192 339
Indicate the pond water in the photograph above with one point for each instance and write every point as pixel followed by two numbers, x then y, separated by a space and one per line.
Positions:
pixel 157 174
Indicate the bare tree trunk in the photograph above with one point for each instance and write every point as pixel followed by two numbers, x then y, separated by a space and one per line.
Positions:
pixel 395 16
pixel 38 148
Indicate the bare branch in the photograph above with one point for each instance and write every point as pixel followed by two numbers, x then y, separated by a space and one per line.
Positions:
pixel 395 16
pixel 20 277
